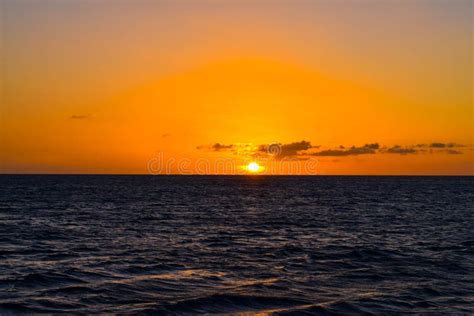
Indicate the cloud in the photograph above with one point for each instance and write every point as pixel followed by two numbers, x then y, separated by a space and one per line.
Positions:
pixel 165 135
pixel 372 146
pixel 437 145
pixel 281 151
pixel 292 149
pixel 400 150
pixel 445 145
pixel 453 152
pixel 79 117
pixel 352 151
pixel 216 147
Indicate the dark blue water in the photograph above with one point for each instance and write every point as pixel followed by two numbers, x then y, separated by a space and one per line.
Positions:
pixel 283 245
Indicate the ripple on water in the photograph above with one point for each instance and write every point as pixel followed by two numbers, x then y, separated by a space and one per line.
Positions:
pixel 271 245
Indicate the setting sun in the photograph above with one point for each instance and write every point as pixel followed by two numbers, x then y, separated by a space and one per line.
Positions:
pixel 254 167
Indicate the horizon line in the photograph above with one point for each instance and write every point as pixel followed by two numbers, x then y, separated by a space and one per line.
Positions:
pixel 237 175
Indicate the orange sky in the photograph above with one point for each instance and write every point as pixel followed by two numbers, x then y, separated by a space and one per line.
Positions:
pixel 125 86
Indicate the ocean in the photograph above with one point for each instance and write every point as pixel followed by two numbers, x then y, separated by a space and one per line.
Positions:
pixel 236 245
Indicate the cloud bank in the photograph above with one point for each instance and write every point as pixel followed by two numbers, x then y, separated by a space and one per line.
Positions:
pixel 352 151
pixel 304 149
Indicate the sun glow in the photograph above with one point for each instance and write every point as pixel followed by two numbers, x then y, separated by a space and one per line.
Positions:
pixel 254 167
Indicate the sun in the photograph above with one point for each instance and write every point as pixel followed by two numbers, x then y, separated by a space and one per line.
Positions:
pixel 254 167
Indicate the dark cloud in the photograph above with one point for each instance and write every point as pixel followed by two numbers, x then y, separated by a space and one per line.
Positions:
pixel 79 117
pixel 453 152
pixel 445 145
pixel 216 147
pixel 400 150
pixel 437 145
pixel 292 149
pixel 331 153
pixel 451 145
pixel 281 151
pixel 372 146
pixel 352 151
pixel 165 135
pixel 419 148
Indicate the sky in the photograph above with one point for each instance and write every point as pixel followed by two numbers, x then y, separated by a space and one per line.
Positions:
pixel 209 86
